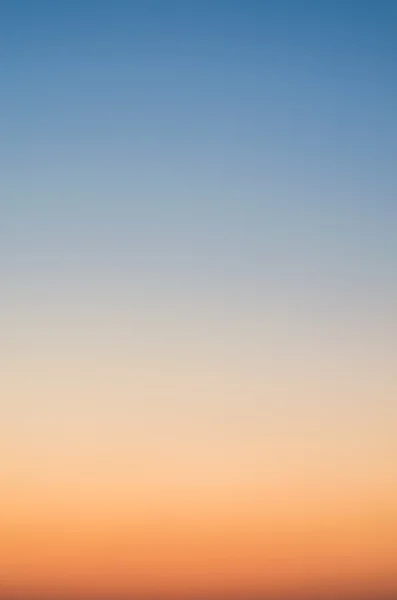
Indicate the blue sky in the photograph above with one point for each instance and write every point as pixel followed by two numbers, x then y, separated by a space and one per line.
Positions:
pixel 246 146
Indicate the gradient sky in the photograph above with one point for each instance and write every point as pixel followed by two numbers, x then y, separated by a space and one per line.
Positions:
pixel 198 258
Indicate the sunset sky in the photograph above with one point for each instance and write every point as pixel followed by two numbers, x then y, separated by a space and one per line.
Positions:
pixel 198 298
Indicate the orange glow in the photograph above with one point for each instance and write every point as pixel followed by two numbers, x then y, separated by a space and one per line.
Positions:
pixel 176 541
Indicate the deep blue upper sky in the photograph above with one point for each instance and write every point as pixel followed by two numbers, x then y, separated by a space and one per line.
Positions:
pixel 254 137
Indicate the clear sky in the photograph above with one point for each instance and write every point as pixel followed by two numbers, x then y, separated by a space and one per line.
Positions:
pixel 198 293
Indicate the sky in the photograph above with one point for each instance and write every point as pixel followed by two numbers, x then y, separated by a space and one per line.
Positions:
pixel 198 217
